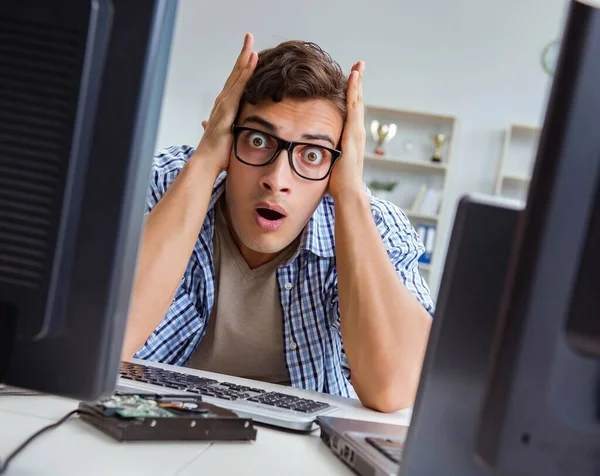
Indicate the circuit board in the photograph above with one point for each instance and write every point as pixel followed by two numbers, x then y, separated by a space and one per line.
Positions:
pixel 135 406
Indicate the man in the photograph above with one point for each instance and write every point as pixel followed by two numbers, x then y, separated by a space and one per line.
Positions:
pixel 263 254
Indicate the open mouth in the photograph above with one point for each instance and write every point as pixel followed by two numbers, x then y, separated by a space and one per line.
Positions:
pixel 269 214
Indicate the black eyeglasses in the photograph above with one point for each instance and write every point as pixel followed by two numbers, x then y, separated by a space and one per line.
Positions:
pixel 257 149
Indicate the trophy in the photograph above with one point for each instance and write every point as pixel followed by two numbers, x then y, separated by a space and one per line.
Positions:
pixel 438 141
pixel 382 133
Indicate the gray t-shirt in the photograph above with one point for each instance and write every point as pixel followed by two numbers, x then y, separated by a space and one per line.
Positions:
pixel 245 332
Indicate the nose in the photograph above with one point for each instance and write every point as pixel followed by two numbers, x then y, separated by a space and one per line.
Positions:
pixel 278 175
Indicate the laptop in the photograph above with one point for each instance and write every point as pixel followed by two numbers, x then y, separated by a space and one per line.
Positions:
pixel 452 381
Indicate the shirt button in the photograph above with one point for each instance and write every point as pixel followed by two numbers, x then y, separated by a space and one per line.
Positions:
pixel 293 346
pixel 288 286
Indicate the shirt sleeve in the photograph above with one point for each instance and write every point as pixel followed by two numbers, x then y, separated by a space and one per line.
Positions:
pixel 169 341
pixel 166 166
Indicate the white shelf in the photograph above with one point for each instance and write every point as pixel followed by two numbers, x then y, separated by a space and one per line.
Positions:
pixel 525 129
pixel 516 178
pixel 406 163
pixel 420 216
pixel 517 161
pixel 409 113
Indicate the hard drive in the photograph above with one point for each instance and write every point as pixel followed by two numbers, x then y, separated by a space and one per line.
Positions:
pixel 144 417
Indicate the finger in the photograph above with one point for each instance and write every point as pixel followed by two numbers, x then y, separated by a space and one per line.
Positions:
pixel 358 69
pixel 359 93
pixel 235 94
pixel 350 106
pixel 351 91
pixel 244 55
pixel 241 62
pixel 236 89
pixel 355 90
pixel 355 118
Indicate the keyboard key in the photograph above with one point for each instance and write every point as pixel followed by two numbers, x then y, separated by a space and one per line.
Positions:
pixel 283 405
pixel 201 381
pixel 172 381
pixel 289 402
pixel 196 390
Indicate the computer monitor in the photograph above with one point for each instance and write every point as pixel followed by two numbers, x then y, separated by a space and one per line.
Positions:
pixel 451 389
pixel 511 379
pixel 541 412
pixel 81 85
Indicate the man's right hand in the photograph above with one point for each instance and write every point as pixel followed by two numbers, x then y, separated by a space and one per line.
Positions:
pixel 217 140
pixel 172 227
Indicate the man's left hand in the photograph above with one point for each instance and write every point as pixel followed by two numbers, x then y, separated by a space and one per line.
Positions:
pixel 347 174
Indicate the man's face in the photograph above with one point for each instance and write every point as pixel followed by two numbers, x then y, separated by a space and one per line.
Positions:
pixel 252 191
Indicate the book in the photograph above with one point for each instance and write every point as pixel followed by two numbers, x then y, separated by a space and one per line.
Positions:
pixel 430 204
pixel 430 243
pixel 427 236
pixel 416 205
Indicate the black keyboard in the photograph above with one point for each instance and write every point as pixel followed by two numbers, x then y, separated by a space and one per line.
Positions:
pixel 213 388
pixel 389 447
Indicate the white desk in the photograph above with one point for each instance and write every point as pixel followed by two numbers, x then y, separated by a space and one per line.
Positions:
pixel 76 448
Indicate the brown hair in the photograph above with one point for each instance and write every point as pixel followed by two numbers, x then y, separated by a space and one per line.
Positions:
pixel 297 70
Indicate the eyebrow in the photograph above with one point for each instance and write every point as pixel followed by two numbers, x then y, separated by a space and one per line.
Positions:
pixel 274 129
pixel 262 122
pixel 326 138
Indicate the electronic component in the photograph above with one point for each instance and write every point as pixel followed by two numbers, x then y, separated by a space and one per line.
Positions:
pixel 147 417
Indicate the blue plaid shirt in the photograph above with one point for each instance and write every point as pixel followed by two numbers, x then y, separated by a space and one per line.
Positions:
pixel 312 336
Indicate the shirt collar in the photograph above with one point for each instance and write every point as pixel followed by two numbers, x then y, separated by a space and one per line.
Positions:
pixel 318 235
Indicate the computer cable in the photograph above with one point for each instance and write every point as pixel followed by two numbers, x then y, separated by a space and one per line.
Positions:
pixel 4 464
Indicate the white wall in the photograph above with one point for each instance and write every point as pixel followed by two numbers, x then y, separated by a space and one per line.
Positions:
pixel 475 59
